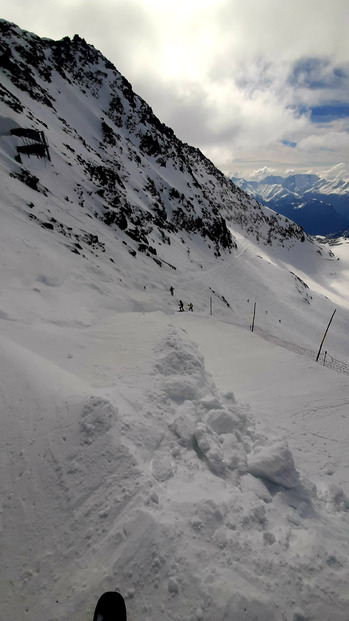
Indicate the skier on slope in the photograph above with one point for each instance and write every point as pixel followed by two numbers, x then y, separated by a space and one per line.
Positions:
pixel 181 306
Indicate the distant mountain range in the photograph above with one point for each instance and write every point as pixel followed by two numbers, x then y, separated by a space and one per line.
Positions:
pixel 320 206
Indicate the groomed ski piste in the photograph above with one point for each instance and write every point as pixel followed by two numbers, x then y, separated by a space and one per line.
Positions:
pixel 179 458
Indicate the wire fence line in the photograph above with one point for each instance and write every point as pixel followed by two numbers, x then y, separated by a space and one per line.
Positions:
pixel 325 358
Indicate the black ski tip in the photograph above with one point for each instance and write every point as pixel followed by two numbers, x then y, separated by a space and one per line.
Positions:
pixel 110 607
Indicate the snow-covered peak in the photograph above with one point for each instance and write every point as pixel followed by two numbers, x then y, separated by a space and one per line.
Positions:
pixel 300 183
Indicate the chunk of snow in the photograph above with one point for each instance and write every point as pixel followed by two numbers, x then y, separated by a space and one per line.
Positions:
pixel 275 464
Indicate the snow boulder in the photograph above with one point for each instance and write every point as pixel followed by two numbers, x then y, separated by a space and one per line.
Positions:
pixel 178 357
pixel 97 417
pixel 234 453
pixel 184 423
pixel 274 464
pixel 333 495
pixel 161 466
pixel 181 389
pixel 209 447
pixel 250 484
pixel 223 421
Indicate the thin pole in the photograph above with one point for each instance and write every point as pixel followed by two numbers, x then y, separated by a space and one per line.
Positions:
pixel 254 314
pixel 329 323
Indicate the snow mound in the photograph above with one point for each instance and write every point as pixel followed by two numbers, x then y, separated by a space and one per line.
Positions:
pixel 186 508
pixel 97 417
pixel 274 464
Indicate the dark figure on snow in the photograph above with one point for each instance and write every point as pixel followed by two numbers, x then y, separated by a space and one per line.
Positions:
pixel 110 607
pixel 171 290
pixel 190 307
pixel 181 307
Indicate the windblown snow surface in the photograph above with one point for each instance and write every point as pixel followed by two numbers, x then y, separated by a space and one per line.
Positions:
pixel 198 467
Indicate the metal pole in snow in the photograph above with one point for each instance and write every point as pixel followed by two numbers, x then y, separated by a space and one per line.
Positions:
pixel 329 323
pixel 254 314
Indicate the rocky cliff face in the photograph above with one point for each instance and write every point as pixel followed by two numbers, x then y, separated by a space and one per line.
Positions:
pixel 117 161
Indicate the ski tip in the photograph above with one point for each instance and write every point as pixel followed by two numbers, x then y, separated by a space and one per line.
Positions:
pixel 110 607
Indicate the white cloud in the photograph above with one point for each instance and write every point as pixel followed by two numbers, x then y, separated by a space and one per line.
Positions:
pixel 339 171
pixel 327 139
pixel 262 172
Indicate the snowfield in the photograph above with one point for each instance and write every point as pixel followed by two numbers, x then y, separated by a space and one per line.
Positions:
pixel 198 467
pixel 177 457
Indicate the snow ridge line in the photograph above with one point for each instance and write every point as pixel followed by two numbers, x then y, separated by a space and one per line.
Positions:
pixel 331 363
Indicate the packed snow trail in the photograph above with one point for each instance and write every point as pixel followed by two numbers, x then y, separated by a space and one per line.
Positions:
pixel 291 394
pixel 130 469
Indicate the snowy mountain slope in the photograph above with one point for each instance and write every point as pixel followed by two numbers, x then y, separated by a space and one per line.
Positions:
pixel 320 206
pixel 125 464
pixel 138 177
pixel 135 199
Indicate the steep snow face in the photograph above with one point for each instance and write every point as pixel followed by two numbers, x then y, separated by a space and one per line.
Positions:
pixel 333 186
pixel 195 466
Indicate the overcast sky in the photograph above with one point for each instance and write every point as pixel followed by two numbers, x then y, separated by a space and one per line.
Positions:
pixel 259 86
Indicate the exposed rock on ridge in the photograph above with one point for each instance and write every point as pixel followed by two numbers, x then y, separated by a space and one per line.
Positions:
pixel 138 177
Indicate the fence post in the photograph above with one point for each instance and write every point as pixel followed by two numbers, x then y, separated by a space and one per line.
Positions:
pixel 254 314
pixel 329 323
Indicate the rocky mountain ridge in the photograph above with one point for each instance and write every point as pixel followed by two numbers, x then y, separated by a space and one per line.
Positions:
pixel 130 170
